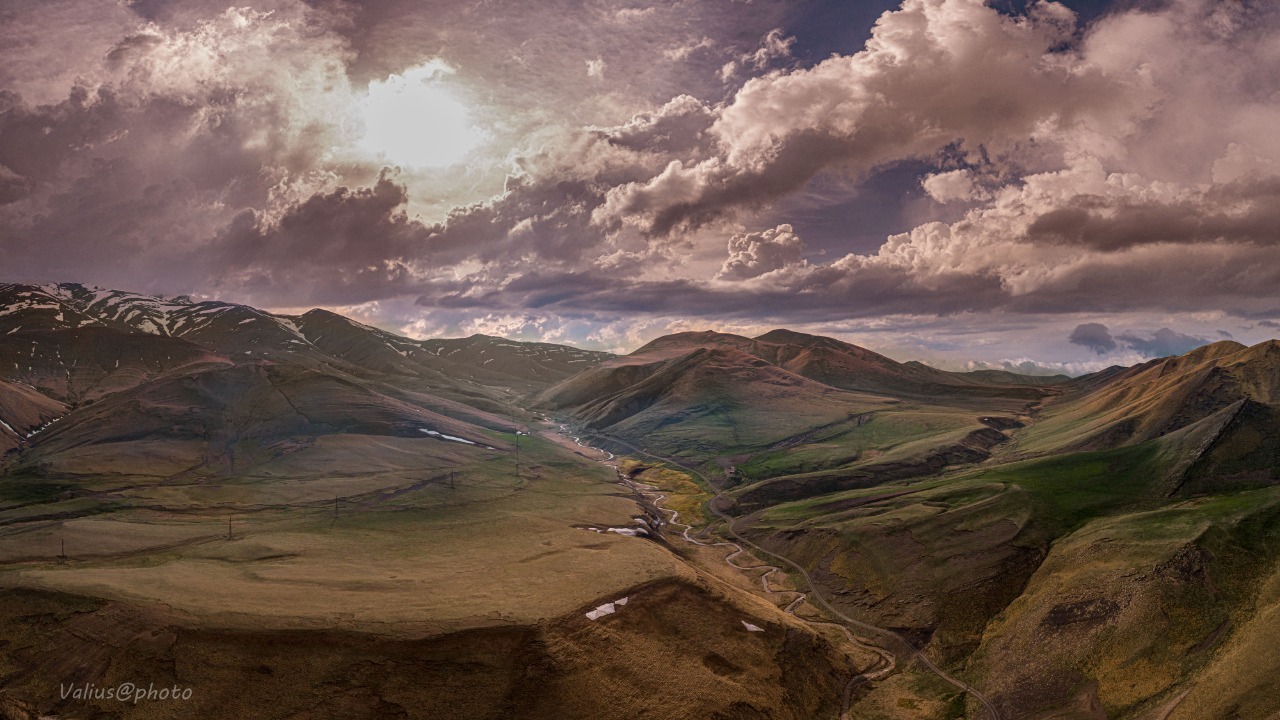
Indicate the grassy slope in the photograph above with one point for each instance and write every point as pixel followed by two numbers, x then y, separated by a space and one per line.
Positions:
pixel 620 666
pixel 431 602
pixel 1074 632
pixel 1129 607
pixel 292 562
pixel 1045 569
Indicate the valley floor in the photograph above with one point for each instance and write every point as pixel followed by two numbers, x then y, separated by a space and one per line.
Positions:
pixel 462 597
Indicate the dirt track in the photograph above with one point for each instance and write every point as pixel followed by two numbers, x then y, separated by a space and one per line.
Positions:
pixel 889 637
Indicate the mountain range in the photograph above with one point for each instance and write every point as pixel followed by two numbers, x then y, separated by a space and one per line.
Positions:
pixel 1104 546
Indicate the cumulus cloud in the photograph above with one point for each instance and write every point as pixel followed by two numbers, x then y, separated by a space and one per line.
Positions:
pixel 1095 336
pixel 1025 366
pixel 934 74
pixel 678 126
pixel 776 45
pixel 1078 199
pixel 754 254
pixel 682 52
pixel 166 128
pixel 951 186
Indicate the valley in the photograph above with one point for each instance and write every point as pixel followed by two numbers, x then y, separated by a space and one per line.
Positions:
pixel 304 516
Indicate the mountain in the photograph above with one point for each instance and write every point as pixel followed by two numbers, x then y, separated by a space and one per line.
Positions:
pixel 195 492
pixel 82 364
pixel 708 400
pixel 1133 517
pixel 224 387
pixel 478 359
pixel 989 516
pixel 822 412
pixel 845 366
pixel 1006 377
pixel 23 411
pixel 478 367
pixel 1221 401
pixel 303 487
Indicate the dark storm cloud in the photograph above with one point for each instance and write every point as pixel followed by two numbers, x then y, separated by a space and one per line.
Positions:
pixel 1094 336
pixel 13 187
pixel 1107 225
pixel 1269 324
pixel 814 294
pixel 545 222
pixel 109 223
pixel 129 177
pixel 1162 343
pixel 345 246
pixel 531 58
pixel 1237 279
pixel 38 141
pixel 132 45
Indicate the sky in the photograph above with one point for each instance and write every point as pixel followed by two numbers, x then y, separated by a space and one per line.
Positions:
pixel 1035 185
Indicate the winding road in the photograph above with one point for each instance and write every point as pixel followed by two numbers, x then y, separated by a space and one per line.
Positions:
pixel 814 595
pixel 887 662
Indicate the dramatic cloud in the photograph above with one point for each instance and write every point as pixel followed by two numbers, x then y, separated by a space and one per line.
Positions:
pixel 774 47
pixel 346 246
pixel 952 186
pixel 1129 169
pixel 754 254
pixel 13 187
pixel 1242 212
pixel 935 73
pixel 1094 336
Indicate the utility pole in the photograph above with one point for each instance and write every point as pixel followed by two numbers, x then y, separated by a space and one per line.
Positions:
pixel 452 474
pixel 62 556
pixel 229 527
pixel 517 451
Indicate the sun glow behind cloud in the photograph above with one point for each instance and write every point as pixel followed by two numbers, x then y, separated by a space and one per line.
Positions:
pixel 413 119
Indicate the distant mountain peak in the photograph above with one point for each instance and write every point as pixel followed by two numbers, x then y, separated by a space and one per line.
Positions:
pixel 782 336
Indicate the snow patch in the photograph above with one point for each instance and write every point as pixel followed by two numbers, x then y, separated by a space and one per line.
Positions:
pixel 289 325
pixel 442 436
pixel 752 628
pixel 608 608
pixel 42 427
